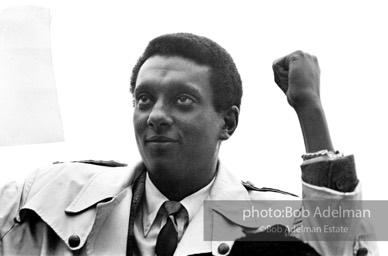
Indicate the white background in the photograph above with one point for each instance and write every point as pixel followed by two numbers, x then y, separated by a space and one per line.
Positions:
pixel 96 43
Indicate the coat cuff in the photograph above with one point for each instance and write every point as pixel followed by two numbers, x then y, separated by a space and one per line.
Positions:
pixel 338 174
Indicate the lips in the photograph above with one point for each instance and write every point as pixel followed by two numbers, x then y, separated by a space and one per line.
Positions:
pixel 160 139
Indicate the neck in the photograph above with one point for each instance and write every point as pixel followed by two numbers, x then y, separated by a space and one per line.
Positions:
pixel 176 188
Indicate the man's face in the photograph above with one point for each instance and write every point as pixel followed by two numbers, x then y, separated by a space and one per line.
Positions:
pixel 176 126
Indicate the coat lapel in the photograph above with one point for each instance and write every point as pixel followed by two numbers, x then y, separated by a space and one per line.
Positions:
pixel 137 194
pixel 225 187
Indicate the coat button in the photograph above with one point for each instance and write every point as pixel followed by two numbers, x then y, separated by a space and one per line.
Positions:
pixel 340 184
pixel 362 252
pixel 223 248
pixel 74 241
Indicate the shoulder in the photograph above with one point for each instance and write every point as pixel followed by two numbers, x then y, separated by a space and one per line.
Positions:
pixel 109 163
pixel 72 171
pixel 73 176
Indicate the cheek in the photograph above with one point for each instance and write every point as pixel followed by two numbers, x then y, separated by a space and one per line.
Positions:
pixel 202 128
pixel 139 123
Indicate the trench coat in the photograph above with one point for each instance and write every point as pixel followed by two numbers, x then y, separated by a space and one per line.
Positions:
pixel 85 209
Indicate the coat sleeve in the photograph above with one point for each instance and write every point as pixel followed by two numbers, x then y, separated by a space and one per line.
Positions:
pixel 334 182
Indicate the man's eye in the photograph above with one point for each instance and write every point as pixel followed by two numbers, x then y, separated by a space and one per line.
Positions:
pixel 185 100
pixel 143 99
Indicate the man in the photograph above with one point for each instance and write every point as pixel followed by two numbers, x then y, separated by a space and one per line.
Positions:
pixel 187 95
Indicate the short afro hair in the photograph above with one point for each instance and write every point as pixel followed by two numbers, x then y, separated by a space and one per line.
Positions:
pixel 225 79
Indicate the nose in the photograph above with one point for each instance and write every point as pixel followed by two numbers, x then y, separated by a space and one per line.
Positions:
pixel 159 116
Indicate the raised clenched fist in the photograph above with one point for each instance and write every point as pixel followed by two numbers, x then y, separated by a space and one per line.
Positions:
pixel 297 75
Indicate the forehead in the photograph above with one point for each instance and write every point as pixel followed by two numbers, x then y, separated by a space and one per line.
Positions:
pixel 171 69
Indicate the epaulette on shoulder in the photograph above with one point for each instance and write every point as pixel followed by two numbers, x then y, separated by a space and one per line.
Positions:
pixel 249 186
pixel 109 163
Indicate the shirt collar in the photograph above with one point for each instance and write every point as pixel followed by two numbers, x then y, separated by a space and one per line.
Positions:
pixel 154 200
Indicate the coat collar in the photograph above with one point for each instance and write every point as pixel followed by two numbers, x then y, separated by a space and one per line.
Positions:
pixel 225 188
pixel 78 187
pixel 63 197
pixel 220 221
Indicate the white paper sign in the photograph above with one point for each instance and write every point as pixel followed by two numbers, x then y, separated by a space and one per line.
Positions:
pixel 29 110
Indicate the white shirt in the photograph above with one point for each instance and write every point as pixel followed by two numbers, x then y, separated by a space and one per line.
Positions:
pixel 148 222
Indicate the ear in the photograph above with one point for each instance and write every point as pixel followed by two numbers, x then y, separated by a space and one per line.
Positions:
pixel 230 121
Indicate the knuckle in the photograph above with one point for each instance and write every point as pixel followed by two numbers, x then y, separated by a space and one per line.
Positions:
pixel 298 52
pixel 277 62
pixel 303 55
pixel 296 55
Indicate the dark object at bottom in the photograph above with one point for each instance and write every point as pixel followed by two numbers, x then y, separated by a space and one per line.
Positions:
pixel 271 244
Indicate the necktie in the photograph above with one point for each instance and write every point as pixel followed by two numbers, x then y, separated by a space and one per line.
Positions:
pixel 168 236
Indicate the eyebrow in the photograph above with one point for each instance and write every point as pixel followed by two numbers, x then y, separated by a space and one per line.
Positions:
pixel 175 87
pixel 141 87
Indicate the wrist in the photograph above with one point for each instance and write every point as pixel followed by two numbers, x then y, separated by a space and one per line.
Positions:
pixel 313 105
pixel 314 126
